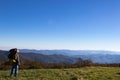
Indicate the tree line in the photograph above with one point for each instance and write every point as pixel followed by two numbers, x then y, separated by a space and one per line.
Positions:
pixel 27 64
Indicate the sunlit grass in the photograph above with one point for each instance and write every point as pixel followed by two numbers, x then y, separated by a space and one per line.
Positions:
pixel 88 73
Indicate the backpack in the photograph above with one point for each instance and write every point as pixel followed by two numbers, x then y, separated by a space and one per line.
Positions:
pixel 12 53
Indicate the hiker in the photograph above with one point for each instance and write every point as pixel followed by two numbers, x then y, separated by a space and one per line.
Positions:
pixel 14 58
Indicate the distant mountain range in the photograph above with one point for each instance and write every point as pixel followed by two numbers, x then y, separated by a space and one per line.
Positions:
pixel 30 56
pixel 69 52
pixel 67 56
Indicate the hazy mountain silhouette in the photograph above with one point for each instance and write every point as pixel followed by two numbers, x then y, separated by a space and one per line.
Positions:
pixel 55 58
pixel 65 56
pixel 97 56
pixel 69 52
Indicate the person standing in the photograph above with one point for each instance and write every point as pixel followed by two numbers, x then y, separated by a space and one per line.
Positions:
pixel 14 58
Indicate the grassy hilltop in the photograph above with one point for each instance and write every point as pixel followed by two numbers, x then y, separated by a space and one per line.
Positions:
pixel 88 73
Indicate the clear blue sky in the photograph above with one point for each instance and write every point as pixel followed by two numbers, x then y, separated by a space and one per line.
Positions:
pixel 60 24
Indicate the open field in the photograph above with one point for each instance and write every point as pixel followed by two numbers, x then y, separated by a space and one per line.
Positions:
pixel 87 73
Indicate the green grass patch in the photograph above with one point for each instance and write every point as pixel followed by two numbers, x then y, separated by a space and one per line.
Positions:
pixel 87 73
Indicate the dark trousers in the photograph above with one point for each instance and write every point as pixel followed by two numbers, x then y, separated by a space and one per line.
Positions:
pixel 14 70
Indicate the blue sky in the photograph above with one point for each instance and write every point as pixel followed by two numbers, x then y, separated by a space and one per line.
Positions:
pixel 60 24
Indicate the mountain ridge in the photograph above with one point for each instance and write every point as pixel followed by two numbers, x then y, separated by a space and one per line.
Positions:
pixel 67 56
pixel 97 56
pixel 71 52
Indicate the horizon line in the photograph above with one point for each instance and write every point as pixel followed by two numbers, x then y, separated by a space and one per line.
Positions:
pixel 6 49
